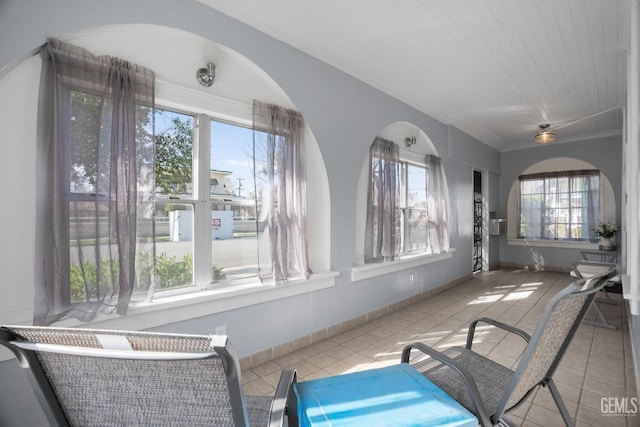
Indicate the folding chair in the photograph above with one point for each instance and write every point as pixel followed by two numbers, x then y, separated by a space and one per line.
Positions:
pixel 585 269
pixel 491 390
pixel 86 377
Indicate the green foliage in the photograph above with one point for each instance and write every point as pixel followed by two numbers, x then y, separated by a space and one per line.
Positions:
pixel 218 273
pixel 89 284
pixel 174 157
pixel 170 273
pixel 90 128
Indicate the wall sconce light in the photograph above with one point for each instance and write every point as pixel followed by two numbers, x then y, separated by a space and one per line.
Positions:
pixel 408 142
pixel 544 136
pixel 206 75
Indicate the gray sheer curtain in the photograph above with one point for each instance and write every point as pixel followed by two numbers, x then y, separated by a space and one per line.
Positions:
pixel 437 209
pixel 381 243
pixel 281 192
pixel 95 162
pixel 592 194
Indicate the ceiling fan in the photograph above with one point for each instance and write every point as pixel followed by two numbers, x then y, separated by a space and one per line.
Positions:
pixel 545 134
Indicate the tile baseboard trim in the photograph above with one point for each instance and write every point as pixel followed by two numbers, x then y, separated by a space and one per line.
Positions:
pixel 273 353
pixel 534 267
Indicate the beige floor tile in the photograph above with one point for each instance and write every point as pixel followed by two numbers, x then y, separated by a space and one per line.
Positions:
pixel 544 399
pixel 304 368
pixel 544 416
pixel 338 368
pixel 602 388
pixel 322 360
pixel 324 345
pixel 258 387
pixel 591 399
pixel 569 392
pixel 606 376
pixel 568 378
pixel 597 418
pixel 521 411
pixel 267 368
pixel 321 373
pixel 340 351
pixel 596 364
pixel 289 360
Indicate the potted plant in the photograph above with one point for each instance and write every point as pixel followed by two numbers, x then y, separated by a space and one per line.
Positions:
pixel 605 231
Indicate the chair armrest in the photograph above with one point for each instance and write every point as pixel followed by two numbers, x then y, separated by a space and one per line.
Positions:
pixel 508 328
pixel 284 401
pixel 612 256
pixel 468 380
pixel 590 269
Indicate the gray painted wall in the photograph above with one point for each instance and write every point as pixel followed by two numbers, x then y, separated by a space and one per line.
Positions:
pixel 344 115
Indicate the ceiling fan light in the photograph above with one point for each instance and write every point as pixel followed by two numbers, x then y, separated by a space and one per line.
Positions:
pixel 544 136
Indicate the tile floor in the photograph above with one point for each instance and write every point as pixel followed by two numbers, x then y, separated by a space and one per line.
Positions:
pixel 597 364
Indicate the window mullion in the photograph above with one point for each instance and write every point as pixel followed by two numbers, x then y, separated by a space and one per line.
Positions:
pixel 543 222
pixel 570 208
pixel 202 210
pixel 403 202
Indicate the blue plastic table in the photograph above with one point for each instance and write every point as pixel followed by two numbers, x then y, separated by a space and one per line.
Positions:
pixel 396 395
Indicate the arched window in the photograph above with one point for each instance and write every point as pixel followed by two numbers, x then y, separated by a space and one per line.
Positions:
pixel 559 200
pixel 205 217
pixel 402 198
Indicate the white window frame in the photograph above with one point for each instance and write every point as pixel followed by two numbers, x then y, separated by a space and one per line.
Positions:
pixel 607 203
pixel 187 303
pixel 406 159
pixel 561 174
pixel 202 300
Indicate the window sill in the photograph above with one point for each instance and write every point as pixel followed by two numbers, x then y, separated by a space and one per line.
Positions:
pixel 187 306
pixel 552 244
pixel 367 271
pixel 175 308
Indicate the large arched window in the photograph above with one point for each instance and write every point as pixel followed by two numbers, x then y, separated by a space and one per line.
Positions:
pixel 559 201
pixel 205 217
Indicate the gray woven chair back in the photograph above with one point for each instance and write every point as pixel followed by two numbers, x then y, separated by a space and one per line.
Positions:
pixel 552 335
pixel 104 391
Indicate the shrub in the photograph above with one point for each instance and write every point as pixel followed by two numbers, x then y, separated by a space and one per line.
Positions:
pixel 170 273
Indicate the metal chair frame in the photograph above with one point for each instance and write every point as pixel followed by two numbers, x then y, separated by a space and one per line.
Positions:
pixel 27 354
pixel 585 287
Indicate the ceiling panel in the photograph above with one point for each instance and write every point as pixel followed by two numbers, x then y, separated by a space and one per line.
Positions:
pixel 495 69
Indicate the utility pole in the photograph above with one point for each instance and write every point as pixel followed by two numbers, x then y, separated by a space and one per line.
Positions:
pixel 239 186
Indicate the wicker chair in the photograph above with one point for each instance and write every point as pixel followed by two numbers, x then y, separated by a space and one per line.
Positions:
pixel 490 390
pixel 88 377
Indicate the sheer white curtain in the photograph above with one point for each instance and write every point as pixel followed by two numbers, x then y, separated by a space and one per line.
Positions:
pixel 95 163
pixel 591 185
pixel 381 235
pixel 281 192
pixel 437 208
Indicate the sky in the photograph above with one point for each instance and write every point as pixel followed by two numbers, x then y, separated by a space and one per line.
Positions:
pixel 231 149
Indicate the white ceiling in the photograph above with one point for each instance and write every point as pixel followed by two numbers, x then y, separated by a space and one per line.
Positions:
pixel 495 69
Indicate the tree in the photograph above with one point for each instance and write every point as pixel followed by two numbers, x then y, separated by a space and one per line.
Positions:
pixel 174 157
pixel 90 138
